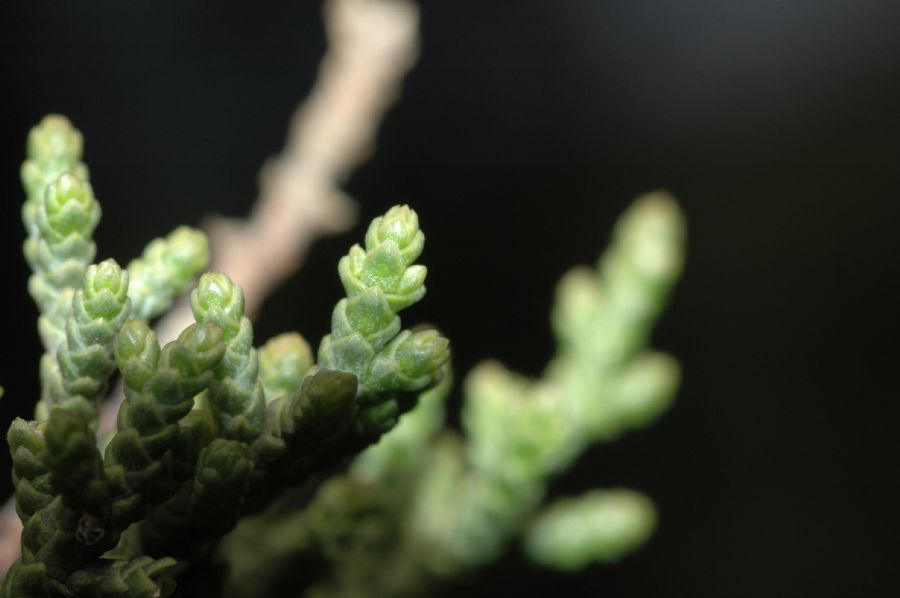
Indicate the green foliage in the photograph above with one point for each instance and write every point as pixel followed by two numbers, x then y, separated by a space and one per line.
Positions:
pixel 86 359
pixel 283 361
pixel 602 525
pixel 165 270
pixel 366 339
pixel 142 577
pixel 236 396
pixel 261 472
pixel 59 249
pixel 438 504
pixel 54 147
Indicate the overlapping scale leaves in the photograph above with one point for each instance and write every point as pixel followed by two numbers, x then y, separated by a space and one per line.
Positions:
pixel 426 505
pixel 453 503
pixel 198 443
pixel 366 338
pixel 165 269
pixel 236 395
pixel 214 433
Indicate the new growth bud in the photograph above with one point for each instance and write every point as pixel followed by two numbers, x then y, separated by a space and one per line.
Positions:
pixel 283 361
pixel 199 348
pixel 54 138
pixel 165 269
pixel 410 362
pixel 393 243
pixel 399 225
pixel 68 208
pixel 601 526
pixel 217 299
pixel 137 353
pixel 105 290
pixel 54 147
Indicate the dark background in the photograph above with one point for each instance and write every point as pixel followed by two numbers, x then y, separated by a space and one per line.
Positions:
pixel 525 129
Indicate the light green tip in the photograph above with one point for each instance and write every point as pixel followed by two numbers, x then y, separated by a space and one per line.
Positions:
pixel 54 138
pixel 401 225
pixel 422 352
pixel 283 361
pixel 393 242
pixel 137 353
pixel 68 208
pixel 217 299
pixel 652 232
pixel 184 250
pixel 646 388
pixel 105 289
pixel 165 269
pixel 198 349
pixel 600 526
pixel 54 147
pixel 410 362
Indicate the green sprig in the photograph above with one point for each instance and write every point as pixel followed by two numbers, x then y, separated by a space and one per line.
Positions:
pixel 236 396
pixel 204 508
pixel 85 360
pixel 50 547
pixel 165 269
pixel 381 280
pixel 54 146
pixel 283 362
pixel 600 526
pixel 75 507
pixel 148 419
pixel 520 432
pixel 59 250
